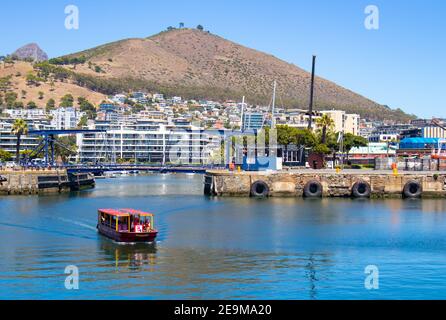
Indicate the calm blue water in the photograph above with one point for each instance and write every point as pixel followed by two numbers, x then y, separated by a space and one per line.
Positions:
pixel 221 248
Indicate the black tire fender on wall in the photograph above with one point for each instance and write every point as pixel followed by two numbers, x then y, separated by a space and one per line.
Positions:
pixel 361 189
pixel 259 189
pixel 313 189
pixel 412 189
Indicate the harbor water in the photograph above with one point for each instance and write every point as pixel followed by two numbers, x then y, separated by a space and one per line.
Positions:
pixel 221 248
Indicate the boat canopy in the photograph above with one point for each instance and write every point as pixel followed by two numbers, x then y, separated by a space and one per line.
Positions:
pixel 125 212
pixel 114 212
pixel 134 212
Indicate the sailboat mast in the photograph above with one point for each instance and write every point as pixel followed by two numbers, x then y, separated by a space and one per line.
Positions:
pixel 310 119
pixel 242 112
pixel 273 120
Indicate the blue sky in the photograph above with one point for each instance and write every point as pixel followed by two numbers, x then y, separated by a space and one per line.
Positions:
pixel 402 64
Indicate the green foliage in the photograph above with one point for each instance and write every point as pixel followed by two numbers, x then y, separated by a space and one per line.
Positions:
pixel 19 128
pixel 5 155
pixel 50 105
pixel 18 105
pixel 326 124
pixel 97 69
pixel 87 107
pixel 66 101
pixel 137 108
pixel 33 80
pixel 10 98
pixel 5 83
pixel 45 70
pixel 68 60
pixel 294 136
pixel 200 27
pixel 352 141
pixel 321 149
pixel 31 105
pixel 82 122
pixel 65 147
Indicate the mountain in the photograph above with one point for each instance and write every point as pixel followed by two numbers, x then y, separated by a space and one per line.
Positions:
pixel 31 51
pixel 197 64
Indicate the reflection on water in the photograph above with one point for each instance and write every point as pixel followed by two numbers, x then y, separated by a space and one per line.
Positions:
pixel 220 248
pixel 129 256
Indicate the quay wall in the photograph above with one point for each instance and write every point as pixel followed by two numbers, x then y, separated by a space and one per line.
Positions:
pixel 292 184
pixel 29 182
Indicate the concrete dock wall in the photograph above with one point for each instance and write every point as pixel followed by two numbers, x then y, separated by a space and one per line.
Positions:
pixel 28 182
pixel 292 184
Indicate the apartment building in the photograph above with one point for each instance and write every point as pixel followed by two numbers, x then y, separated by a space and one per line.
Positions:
pixel 145 142
pixel 65 118
pixel 344 122
pixel 8 141
pixel 253 120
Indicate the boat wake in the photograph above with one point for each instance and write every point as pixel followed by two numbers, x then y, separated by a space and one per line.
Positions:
pixel 44 230
pixel 77 223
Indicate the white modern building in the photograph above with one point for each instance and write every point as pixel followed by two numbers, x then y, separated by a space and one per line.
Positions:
pixel 8 141
pixel 145 142
pixel 31 114
pixel 65 118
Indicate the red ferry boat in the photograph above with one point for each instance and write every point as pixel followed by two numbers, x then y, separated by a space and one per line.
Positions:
pixel 127 225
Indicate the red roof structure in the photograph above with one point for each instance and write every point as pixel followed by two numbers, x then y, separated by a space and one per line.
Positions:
pixel 124 212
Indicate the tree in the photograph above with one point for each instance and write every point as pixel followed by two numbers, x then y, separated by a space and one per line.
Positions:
pixel 50 105
pixel 18 105
pixel 321 148
pixel 332 144
pixel 326 123
pixel 351 141
pixel 32 79
pixel 19 128
pixel 66 101
pixel 305 137
pixel 66 147
pixel 137 108
pixel 31 105
pixel 5 83
pixel 285 135
pixel 181 25
pixel 83 122
pixel 8 61
pixel 41 95
pixel 5 155
pixel 200 27
pixel 10 98
pixel 87 107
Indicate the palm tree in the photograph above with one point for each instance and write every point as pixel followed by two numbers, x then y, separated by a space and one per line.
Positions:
pixel 19 128
pixel 326 123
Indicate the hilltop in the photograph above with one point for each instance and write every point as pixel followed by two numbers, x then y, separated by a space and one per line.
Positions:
pixel 197 64
pixel 32 52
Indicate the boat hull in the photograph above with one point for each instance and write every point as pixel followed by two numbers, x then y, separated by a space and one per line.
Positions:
pixel 127 236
